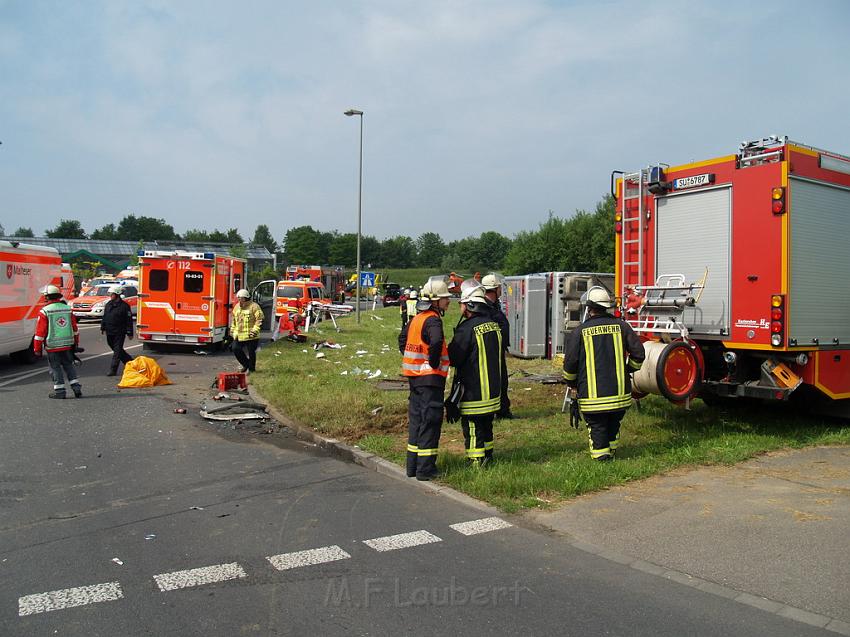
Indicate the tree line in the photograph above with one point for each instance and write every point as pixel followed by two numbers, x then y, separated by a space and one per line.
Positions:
pixel 584 242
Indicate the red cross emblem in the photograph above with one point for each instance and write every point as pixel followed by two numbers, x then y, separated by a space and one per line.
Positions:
pixel 61 322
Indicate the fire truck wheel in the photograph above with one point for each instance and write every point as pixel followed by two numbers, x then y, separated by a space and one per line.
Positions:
pixel 679 371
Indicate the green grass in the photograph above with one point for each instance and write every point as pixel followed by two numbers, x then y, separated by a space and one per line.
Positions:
pixel 540 460
pixel 409 277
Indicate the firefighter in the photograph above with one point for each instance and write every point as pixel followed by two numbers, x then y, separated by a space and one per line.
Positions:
pixel 117 324
pixel 410 305
pixel 493 291
pixel 425 362
pixel 245 330
pixel 476 354
pixel 599 358
pixel 402 306
pixel 56 331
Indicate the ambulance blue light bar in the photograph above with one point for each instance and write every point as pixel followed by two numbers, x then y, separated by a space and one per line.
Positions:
pixel 209 255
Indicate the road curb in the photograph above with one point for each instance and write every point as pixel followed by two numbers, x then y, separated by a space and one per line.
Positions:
pixel 369 460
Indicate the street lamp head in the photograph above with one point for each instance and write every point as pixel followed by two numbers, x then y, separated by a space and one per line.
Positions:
pixel 353 111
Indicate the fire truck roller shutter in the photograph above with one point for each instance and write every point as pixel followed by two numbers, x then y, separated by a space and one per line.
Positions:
pixel 694 234
pixel 673 370
pixel 819 303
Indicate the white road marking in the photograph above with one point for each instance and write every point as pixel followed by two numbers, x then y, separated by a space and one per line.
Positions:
pixel 286 561
pixel 14 378
pixel 483 525
pixel 68 598
pixel 401 541
pixel 199 576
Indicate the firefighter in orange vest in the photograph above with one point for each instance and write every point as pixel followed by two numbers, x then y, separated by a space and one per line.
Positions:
pixel 425 362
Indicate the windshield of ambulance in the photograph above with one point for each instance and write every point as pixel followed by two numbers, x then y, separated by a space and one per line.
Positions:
pixel 290 291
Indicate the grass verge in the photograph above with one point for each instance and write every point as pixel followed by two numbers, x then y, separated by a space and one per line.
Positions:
pixel 541 461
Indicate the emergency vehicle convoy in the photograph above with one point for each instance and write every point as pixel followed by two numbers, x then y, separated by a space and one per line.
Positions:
pixel 24 271
pixel 186 297
pixel 735 272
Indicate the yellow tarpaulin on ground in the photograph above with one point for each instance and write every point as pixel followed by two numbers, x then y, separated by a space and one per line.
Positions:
pixel 143 372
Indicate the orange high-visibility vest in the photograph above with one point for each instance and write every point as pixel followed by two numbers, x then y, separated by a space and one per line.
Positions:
pixel 415 360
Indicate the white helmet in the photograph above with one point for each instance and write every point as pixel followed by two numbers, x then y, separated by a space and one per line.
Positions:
pixel 413 294
pixel 243 294
pixel 435 289
pixel 115 289
pixel 597 295
pixel 51 290
pixel 491 282
pixel 471 291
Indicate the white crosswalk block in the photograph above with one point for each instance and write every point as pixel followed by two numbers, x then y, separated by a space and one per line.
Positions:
pixel 483 525
pixel 68 598
pixel 286 561
pixel 199 576
pixel 402 541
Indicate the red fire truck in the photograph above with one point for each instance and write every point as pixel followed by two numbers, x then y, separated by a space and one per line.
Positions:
pixel 735 272
pixel 186 297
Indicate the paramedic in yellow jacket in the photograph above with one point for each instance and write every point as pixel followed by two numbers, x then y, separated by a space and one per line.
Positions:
pixel 245 330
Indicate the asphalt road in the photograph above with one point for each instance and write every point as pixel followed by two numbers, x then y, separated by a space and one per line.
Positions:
pixel 120 517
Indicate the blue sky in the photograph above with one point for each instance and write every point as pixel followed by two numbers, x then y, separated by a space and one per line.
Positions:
pixel 478 115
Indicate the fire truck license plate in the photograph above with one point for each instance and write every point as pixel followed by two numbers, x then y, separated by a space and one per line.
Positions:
pixel 695 180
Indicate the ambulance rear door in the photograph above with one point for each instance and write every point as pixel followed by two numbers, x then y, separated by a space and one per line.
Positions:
pixel 155 314
pixel 193 283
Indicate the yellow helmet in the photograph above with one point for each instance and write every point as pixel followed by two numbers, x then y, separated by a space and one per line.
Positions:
pixel 434 289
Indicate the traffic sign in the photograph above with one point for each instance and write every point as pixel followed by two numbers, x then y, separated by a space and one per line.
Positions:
pixel 367 279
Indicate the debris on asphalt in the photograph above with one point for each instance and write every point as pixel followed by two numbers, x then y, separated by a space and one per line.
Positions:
pixel 117 561
pixel 236 410
pixel 180 410
pixel 150 536
pixel 82 466
pixel 196 508
pixel 201 352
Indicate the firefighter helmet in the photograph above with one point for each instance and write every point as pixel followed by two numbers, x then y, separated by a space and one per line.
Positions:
pixel 114 289
pixel 51 290
pixel 413 294
pixel 472 292
pixel 599 297
pixel 243 294
pixel 435 289
pixel 491 282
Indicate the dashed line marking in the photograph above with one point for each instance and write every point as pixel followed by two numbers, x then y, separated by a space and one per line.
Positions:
pixel 199 576
pixel 402 541
pixel 484 525
pixel 286 561
pixel 68 598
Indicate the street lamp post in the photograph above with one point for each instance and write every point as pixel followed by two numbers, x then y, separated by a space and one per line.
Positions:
pixel 350 112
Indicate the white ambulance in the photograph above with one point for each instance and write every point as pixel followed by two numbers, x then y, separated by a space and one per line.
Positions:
pixel 24 271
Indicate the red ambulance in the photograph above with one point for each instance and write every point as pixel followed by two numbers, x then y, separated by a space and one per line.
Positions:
pixel 186 297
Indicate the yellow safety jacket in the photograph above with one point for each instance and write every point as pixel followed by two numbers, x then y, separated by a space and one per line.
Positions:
pixel 245 324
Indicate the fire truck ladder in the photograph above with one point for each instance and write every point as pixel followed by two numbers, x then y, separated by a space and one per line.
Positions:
pixel 633 188
pixel 665 302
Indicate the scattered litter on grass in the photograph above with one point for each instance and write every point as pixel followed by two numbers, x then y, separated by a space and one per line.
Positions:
pixel 320 355
pixel 376 411
pixel 360 352
pixel 375 374
pixel 376 318
pixel 305 351
pixel 117 561
pixel 329 344
pixel 344 373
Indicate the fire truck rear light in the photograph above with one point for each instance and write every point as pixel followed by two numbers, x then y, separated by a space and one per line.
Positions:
pixel 617 216
pixel 778 196
pixel 776 314
pixel 778 207
pixel 776 300
pixel 618 227
pixel 204 339
pixel 777 193
pixel 776 340
pixel 776 327
pixel 145 337
pixel 779 395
